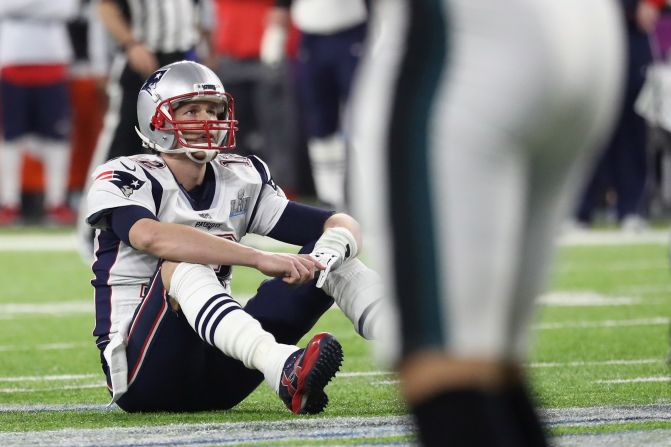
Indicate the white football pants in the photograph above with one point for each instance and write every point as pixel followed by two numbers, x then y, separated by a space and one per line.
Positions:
pixel 468 154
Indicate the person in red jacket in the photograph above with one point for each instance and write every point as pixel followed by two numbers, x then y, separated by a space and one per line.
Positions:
pixel 267 110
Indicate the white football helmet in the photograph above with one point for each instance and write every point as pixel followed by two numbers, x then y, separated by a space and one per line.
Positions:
pixel 168 88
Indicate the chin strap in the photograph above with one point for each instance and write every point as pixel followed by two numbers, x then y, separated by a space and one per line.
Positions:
pixel 210 154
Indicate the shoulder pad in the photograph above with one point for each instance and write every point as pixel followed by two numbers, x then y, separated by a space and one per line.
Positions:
pixel 224 159
pixel 149 161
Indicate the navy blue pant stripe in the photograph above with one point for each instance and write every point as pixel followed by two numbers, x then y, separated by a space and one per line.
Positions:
pixel 216 322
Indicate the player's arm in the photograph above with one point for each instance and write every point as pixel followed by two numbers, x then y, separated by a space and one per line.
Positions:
pixel 301 224
pixel 180 243
pixel 140 229
pixel 140 58
pixel 338 235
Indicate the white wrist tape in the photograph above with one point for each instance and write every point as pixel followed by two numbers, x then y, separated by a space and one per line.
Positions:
pixel 339 240
pixel 334 247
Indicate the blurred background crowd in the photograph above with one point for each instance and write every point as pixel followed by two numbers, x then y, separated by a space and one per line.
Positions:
pixel 70 71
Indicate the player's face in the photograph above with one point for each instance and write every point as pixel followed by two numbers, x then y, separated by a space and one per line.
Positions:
pixel 197 111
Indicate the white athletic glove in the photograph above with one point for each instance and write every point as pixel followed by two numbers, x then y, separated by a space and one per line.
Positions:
pixel 334 247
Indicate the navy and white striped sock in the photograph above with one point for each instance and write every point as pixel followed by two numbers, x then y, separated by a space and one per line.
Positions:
pixel 220 321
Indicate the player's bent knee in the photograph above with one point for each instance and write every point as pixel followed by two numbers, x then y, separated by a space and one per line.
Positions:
pixel 167 271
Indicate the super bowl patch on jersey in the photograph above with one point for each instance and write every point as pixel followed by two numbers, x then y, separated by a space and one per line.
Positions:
pixel 240 205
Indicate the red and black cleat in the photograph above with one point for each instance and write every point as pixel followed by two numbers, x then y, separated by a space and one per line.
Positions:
pixel 306 373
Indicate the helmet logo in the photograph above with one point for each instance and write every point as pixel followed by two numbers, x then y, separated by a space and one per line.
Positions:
pixel 150 84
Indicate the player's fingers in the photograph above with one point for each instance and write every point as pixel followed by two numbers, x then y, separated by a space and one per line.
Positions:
pixel 303 270
pixel 318 265
pixel 311 263
pixel 291 275
pixel 322 276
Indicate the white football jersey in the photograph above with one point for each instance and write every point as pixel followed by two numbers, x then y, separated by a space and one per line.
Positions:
pixel 244 200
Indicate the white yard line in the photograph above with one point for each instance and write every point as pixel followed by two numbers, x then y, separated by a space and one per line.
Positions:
pixel 585 298
pixel 44 347
pixel 342 375
pixel 595 363
pixel 58 388
pixel 576 298
pixel 52 378
pixel 354 374
pixel 66 307
pixel 68 242
pixel 365 374
pixel 659 321
pixel 635 380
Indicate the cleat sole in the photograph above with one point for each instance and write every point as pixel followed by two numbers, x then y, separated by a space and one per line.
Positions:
pixel 326 366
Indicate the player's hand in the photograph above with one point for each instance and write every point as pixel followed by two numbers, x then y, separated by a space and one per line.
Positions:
pixel 292 268
pixel 647 16
pixel 273 41
pixel 141 59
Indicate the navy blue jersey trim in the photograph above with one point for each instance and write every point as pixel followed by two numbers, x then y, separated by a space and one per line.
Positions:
pixel 108 250
pixel 124 217
pixel 262 169
pixel 156 190
pixel 300 224
pixel 202 196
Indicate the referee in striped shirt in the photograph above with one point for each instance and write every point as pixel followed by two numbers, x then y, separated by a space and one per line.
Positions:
pixel 149 34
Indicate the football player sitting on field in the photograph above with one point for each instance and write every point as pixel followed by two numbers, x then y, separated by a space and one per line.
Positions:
pixel 168 226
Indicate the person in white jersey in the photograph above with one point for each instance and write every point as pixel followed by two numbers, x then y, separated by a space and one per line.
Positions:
pixel 332 33
pixel 475 121
pixel 168 227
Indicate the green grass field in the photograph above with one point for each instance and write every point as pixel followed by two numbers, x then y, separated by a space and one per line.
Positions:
pixel 601 340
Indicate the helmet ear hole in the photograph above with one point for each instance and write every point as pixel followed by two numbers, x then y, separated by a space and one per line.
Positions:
pixel 157 121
